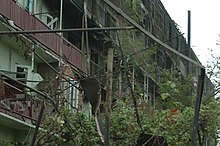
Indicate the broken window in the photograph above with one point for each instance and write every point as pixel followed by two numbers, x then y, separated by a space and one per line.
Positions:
pixel 21 73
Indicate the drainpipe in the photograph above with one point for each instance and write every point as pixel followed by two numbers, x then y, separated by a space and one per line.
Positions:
pixel 82 37
pixel 61 85
pixel 28 5
pixel 9 61
pixel 61 14
pixel 86 39
pixel 32 58
pixel 61 34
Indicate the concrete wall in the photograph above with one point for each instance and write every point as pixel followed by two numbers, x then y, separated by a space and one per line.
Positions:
pixel 10 58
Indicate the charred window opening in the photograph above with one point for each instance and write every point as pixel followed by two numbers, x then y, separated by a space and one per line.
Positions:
pixel 21 73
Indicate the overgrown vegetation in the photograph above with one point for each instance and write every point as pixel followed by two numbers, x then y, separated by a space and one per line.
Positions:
pixel 171 116
pixel 75 129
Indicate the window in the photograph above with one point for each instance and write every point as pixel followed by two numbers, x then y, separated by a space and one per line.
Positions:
pixel 71 94
pixel 148 5
pixel 21 73
pixel 94 57
pixel 170 30
pixel 152 13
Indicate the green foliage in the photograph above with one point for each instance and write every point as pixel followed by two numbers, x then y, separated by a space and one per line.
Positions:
pixel 135 10
pixel 179 132
pixel 124 129
pixel 6 143
pixel 176 129
pixel 73 129
pixel 209 121
pixel 175 93
pixel 213 72
pixel 175 88
pixel 132 46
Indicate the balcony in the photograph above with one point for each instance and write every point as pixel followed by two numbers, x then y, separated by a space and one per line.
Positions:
pixel 15 101
pixel 10 10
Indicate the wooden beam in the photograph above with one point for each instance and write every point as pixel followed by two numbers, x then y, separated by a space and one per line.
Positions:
pixel 108 95
pixel 200 87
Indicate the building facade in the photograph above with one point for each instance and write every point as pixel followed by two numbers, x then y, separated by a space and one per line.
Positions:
pixel 31 59
pixel 52 62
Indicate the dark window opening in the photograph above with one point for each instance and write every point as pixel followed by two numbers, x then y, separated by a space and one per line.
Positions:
pixel 110 22
pixel 21 73
pixel 94 57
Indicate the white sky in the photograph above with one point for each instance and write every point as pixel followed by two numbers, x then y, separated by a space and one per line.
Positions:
pixel 205 23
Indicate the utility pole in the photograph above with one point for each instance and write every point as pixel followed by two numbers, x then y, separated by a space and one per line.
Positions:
pixel 189 29
pixel 108 95
pixel 189 41
pixel 200 86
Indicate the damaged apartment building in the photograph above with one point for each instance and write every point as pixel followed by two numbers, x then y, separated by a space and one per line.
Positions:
pixel 36 65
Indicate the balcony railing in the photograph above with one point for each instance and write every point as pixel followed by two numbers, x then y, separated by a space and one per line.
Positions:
pixel 15 102
pixel 10 10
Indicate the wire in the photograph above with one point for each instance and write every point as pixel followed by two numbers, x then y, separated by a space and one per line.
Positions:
pixel 145 49
pixel 55 70
pixel 66 30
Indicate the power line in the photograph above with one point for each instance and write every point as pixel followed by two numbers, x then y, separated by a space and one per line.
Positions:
pixel 155 45
pixel 67 30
